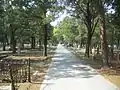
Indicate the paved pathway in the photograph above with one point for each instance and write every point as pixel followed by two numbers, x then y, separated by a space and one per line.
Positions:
pixel 68 73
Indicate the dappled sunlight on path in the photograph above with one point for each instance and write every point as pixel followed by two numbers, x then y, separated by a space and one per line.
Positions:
pixel 67 72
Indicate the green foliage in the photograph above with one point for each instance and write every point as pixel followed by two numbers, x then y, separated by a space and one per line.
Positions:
pixel 70 30
pixel 20 20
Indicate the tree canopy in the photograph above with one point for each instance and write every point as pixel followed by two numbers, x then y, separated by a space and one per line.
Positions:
pixel 89 24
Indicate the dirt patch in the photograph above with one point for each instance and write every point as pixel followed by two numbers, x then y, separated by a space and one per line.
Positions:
pixel 28 57
pixel 114 79
pixel 111 74
pixel 38 71
pixel 24 86
pixel 38 67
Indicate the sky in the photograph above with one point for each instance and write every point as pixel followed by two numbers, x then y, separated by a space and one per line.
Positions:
pixel 60 18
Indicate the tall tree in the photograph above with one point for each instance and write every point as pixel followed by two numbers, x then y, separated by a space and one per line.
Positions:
pixel 104 47
pixel 85 10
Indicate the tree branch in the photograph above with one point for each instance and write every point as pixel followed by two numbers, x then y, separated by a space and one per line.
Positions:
pixel 94 26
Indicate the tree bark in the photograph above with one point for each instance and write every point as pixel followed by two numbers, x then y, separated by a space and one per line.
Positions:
pixel 98 51
pixel 104 46
pixel 22 45
pixel 12 39
pixel 118 43
pixel 4 46
pixel 81 44
pixel 19 48
pixel 33 42
pixel 4 43
pixel 40 44
pixel 112 45
pixel 13 43
pixel 45 40
pixel 90 27
pixel 88 44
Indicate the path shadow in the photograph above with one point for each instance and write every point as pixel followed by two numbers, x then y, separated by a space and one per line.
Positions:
pixel 66 65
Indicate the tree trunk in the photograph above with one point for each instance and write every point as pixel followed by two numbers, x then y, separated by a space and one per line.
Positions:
pixel 88 44
pixel 33 42
pixel 112 45
pixel 45 40
pixel 4 46
pixel 19 48
pixel 98 51
pixel 91 49
pixel 81 44
pixel 104 46
pixel 118 43
pixel 13 42
pixel 14 45
pixel 12 39
pixel 22 45
pixel 40 44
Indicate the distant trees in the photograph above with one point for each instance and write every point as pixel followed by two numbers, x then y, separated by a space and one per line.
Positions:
pixel 67 30
pixel 26 21
pixel 94 14
pixel 85 11
pixel 71 31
